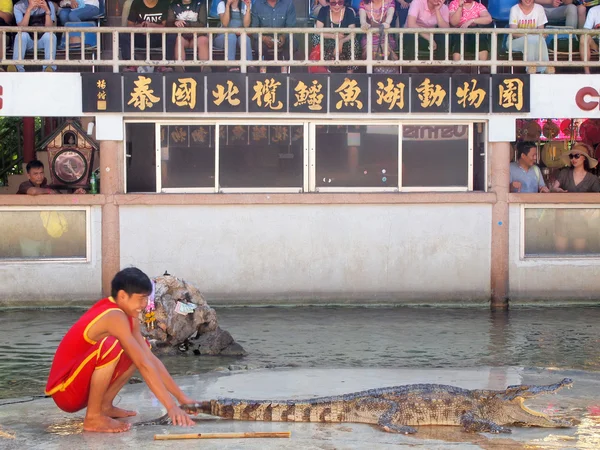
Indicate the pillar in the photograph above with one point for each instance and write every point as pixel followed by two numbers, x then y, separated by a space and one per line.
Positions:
pixel 111 183
pixel 500 179
pixel 28 139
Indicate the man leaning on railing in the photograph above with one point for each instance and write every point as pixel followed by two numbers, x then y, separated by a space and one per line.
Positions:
pixel 34 13
pixel 274 14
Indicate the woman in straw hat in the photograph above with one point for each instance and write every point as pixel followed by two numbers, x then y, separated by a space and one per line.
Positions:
pixel 574 223
pixel 576 177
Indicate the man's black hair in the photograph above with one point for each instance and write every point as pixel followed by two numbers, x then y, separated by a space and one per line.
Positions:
pixel 34 164
pixel 524 147
pixel 131 280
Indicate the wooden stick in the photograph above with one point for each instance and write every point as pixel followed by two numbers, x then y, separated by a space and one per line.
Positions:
pixel 268 434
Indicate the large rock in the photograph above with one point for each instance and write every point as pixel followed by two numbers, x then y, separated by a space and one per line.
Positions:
pixel 197 332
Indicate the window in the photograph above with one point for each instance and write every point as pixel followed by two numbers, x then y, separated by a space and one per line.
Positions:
pixel 44 234
pixel 559 232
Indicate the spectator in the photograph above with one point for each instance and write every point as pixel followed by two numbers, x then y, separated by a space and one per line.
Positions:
pixel 37 183
pixel 188 14
pixel 401 13
pixel 34 13
pixel 234 16
pixel 316 7
pixel 374 13
pixel 563 12
pixel 336 15
pixel 528 15
pixel 275 14
pixel 586 43
pixel 78 10
pixel 525 175
pixel 426 14
pixel 6 19
pixel 145 14
pixel 469 14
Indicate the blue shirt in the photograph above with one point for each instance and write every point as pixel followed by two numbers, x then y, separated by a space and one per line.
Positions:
pixel 531 180
pixel 267 16
pixel 21 8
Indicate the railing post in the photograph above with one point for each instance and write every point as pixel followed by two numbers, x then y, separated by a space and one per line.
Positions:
pixel 115 50
pixel 494 53
pixel 28 139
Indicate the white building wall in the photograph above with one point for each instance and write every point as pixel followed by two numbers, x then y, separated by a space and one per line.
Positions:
pixel 542 279
pixel 305 253
pixel 48 283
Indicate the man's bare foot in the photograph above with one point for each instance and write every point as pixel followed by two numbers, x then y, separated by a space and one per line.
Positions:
pixel 117 413
pixel 104 424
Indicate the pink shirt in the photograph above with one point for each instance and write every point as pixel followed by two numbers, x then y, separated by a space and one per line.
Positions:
pixel 425 17
pixel 467 14
pixel 375 16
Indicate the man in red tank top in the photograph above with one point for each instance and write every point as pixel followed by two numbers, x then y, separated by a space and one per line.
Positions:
pixel 99 354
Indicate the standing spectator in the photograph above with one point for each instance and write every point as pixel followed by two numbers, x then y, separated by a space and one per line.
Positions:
pixel 145 14
pixel 188 14
pixel 34 13
pixel 469 14
pixel 234 14
pixel 374 13
pixel 275 14
pixel 525 175
pixel 586 43
pixel 336 15
pixel 78 10
pixel 426 14
pixel 563 11
pixel 6 19
pixel 528 15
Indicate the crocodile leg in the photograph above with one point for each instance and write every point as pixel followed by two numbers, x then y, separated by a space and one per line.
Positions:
pixel 385 420
pixel 474 424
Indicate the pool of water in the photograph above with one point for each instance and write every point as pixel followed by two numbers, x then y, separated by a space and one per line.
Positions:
pixel 336 337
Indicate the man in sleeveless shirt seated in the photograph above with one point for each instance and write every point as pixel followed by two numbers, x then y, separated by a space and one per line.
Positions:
pixel 34 13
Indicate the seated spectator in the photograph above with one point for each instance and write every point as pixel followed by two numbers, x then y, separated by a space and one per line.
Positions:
pixel 586 43
pixel 563 12
pixel 336 15
pixel 145 13
pixel 528 15
pixel 233 16
pixel 188 14
pixel 374 13
pixel 275 14
pixel 34 13
pixel 426 14
pixel 316 7
pixel 525 175
pixel 78 10
pixel 469 14
pixel 37 183
pixel 401 13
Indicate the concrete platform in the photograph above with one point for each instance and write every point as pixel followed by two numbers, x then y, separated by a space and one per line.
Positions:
pixel 39 424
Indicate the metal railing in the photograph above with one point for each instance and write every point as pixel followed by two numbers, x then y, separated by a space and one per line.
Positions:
pixel 501 48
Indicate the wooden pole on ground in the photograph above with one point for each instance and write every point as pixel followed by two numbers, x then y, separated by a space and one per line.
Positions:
pixel 270 434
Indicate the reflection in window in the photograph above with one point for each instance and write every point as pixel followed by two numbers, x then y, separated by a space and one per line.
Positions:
pixel 46 234
pixel 435 155
pixel 187 156
pixel 259 156
pixel 556 232
pixel 357 156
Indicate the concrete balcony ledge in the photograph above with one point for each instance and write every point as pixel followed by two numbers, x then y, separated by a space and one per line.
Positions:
pixel 556 197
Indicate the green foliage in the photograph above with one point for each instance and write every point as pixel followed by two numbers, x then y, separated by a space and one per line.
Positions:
pixel 11 145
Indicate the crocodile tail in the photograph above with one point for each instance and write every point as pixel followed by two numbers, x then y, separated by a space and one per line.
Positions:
pixel 277 411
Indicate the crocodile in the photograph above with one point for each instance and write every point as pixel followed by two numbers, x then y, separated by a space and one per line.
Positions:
pixel 397 409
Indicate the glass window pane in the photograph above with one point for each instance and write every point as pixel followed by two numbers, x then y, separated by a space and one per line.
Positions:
pixel 141 157
pixel 261 156
pixel 435 155
pixel 43 234
pixel 559 232
pixel 187 154
pixel 356 156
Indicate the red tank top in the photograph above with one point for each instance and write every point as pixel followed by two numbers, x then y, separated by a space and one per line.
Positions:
pixel 75 345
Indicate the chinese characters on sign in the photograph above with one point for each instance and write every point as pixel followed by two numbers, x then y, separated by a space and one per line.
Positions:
pixel 304 93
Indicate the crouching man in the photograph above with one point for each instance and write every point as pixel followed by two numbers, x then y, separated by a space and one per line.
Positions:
pixel 99 354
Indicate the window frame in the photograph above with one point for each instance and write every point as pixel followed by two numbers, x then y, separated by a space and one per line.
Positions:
pixel 88 231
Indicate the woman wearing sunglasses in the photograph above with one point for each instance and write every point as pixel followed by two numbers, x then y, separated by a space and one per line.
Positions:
pixel 336 15
pixel 573 223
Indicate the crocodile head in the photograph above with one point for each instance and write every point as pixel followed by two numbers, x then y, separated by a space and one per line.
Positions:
pixel 508 407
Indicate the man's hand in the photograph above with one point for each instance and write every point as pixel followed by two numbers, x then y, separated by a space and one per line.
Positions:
pixel 516 186
pixel 544 189
pixel 80 191
pixel 180 23
pixel 73 4
pixel 556 3
pixel 179 417
pixel 403 4
pixel 268 41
